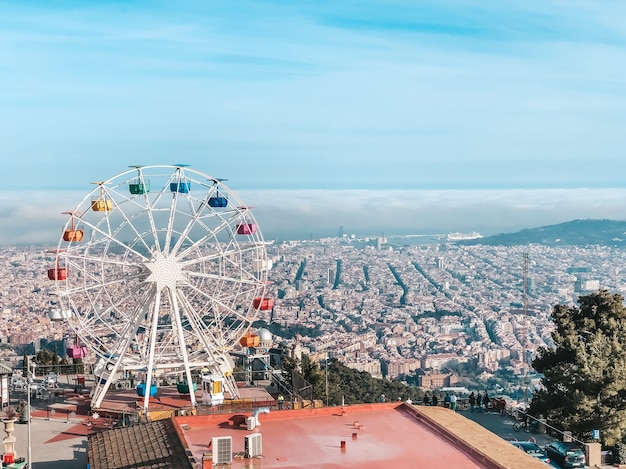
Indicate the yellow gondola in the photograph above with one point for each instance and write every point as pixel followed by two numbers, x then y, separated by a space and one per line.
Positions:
pixel 101 203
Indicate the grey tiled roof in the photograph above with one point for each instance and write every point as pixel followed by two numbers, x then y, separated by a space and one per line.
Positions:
pixel 153 445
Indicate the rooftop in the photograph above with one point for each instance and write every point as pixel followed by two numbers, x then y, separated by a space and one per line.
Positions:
pixel 395 435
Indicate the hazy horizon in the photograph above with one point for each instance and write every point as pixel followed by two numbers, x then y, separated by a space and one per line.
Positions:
pixel 35 218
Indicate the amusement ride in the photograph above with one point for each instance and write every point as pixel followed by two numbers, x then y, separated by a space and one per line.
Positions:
pixel 160 271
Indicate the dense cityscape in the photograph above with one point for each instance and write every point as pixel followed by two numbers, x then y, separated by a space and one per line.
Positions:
pixel 440 313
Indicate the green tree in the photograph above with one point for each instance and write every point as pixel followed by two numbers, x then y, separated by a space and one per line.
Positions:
pixel 46 359
pixel 585 375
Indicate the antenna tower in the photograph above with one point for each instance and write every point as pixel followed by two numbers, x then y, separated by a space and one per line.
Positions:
pixel 525 282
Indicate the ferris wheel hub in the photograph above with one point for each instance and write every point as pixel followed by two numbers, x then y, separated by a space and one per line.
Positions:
pixel 165 271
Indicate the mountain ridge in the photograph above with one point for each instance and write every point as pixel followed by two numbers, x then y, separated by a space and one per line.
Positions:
pixel 577 232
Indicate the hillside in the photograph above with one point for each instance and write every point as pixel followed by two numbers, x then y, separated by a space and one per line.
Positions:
pixel 572 233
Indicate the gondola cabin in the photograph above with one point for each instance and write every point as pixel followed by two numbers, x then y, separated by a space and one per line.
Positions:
pixel 141 390
pixel 263 304
pixel 261 265
pixel 101 204
pixel 218 202
pixel 76 351
pixel 57 273
pixel 56 314
pixel 181 186
pixel 73 236
pixel 246 229
pixel 250 340
pixel 137 187
pixel 183 387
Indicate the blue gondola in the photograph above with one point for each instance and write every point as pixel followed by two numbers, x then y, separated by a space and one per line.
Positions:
pixel 182 186
pixel 141 390
pixel 218 202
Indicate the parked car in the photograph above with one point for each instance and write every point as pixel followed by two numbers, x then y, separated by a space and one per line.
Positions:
pixel 533 450
pixel 566 454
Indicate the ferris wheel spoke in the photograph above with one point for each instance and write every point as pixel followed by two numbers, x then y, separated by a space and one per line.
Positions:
pixel 206 335
pixel 223 278
pixel 194 221
pixel 178 178
pixel 100 284
pixel 220 302
pixel 79 260
pixel 212 234
pixel 107 237
pixel 225 253
pixel 151 208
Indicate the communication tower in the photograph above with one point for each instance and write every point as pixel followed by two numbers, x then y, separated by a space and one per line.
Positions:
pixel 525 284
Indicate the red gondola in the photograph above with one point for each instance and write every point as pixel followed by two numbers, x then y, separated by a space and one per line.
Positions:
pixel 264 304
pixel 58 272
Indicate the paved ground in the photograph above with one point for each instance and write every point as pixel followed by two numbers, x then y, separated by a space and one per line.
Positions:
pixel 503 427
pixel 52 447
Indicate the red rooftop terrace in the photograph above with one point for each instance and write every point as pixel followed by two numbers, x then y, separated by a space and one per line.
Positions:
pixel 397 435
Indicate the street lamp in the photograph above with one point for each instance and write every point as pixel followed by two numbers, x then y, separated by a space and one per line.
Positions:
pixel 29 381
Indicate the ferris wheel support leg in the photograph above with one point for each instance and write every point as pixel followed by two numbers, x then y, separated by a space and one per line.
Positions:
pixel 183 347
pixel 153 334
pixel 231 386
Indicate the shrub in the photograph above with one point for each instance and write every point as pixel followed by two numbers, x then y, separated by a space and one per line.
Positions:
pixel 10 413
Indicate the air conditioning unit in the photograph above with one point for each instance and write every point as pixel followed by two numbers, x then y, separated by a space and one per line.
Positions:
pixel 222 447
pixel 250 423
pixel 253 445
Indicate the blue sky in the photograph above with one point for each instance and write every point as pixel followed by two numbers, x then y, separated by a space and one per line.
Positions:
pixel 318 95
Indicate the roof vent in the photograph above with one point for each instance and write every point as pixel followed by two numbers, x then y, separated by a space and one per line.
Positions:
pixel 222 449
pixel 253 445
pixel 260 410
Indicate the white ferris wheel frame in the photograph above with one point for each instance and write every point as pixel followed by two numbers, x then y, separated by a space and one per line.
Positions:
pixel 166 280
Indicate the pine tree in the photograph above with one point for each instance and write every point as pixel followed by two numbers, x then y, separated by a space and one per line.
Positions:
pixel 584 383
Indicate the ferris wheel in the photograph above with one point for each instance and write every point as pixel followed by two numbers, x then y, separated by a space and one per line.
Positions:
pixel 162 269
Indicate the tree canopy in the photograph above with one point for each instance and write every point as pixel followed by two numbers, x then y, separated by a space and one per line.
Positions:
pixel 585 374
pixel 350 386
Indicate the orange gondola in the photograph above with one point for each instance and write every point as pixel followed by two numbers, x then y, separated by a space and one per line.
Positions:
pixel 73 235
pixel 250 340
